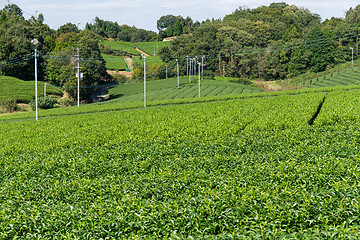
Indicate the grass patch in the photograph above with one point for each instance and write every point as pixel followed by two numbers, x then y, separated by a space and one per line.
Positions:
pixel 23 91
pixel 114 62
pixel 152 47
pixel 123 46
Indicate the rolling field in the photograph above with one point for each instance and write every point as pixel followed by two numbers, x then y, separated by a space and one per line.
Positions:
pixel 167 89
pixel 241 168
pixel 151 47
pixel 344 77
pixel 23 91
pixel 123 46
pixel 114 62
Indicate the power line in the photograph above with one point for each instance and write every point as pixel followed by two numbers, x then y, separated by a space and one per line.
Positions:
pixel 246 52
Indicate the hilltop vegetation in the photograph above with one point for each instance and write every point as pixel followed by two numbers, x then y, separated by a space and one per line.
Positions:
pixel 270 42
pixel 22 91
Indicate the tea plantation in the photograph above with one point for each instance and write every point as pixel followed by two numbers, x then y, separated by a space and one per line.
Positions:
pixel 269 165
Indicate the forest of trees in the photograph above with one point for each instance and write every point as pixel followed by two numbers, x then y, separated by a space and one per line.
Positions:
pixel 56 52
pixel 270 42
pixel 108 29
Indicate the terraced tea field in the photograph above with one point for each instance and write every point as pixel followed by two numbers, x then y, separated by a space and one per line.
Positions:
pixel 167 89
pixel 241 168
pixel 152 48
pixel 123 46
pixel 350 76
pixel 114 62
pixel 23 91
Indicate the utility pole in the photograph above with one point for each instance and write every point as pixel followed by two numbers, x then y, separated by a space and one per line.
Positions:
pixel 44 90
pixel 166 72
pixel 35 43
pixel 352 55
pixel 177 64
pixel 357 45
pixel 36 87
pixel 78 77
pixel 224 70
pixel 199 77
pixel 202 66
pixel 190 69
pixel 187 65
pixel 144 81
pixel 195 65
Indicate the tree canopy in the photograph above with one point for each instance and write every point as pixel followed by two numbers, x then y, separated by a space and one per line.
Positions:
pixel 269 42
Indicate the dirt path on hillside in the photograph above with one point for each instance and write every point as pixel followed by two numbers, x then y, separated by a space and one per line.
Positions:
pixel 270 86
pixel 125 73
pixel 141 51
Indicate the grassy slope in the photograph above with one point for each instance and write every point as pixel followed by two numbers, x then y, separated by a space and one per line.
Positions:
pixel 349 76
pixel 23 91
pixel 148 47
pixel 167 89
pixel 118 63
pixel 124 46
pixel 342 75
pixel 114 62
pixel 241 168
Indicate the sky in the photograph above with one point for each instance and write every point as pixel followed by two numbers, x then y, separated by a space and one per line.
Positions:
pixel 144 13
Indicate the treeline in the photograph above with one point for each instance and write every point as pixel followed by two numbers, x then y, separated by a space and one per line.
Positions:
pixel 168 26
pixel 58 49
pixel 108 29
pixel 270 42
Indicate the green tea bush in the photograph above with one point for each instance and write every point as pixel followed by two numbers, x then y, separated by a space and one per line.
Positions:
pixel 236 169
pixel 9 105
pixel 44 103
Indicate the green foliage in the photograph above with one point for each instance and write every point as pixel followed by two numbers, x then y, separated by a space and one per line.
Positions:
pixel 23 91
pixel 353 16
pixel 171 25
pixel 9 105
pixel 249 168
pixel 152 47
pixel 61 65
pixel 122 46
pixel 269 42
pixel 124 33
pixel 16 34
pixel 44 103
pixel 114 62
pixel 167 89
pixel 68 28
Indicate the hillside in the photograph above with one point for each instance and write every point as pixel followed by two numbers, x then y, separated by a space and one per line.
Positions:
pixel 23 91
pixel 167 89
pixel 263 166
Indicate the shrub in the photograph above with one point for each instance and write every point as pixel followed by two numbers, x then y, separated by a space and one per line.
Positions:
pixel 209 74
pixel 9 105
pixel 44 103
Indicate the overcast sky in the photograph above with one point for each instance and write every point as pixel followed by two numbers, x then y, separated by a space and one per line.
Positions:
pixel 145 13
